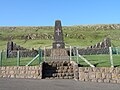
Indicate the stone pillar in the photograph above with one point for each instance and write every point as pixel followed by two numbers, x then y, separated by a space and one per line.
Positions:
pixel 9 47
pixel 58 36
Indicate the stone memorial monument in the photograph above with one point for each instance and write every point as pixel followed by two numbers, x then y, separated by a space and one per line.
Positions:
pixel 58 52
pixel 58 65
pixel 58 36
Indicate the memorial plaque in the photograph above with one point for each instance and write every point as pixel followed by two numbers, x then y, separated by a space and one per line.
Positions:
pixel 58 35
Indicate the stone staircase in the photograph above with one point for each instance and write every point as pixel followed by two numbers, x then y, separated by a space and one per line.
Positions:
pixel 57 70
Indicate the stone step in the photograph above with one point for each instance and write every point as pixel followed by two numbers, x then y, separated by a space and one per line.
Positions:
pixel 58 63
pixel 58 69
pixel 66 77
pixel 58 74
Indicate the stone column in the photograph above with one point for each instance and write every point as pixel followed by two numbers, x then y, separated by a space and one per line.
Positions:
pixel 58 36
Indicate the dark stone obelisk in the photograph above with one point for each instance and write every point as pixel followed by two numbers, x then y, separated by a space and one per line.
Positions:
pixel 58 35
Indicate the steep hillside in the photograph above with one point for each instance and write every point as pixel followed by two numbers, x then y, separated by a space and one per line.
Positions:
pixel 40 36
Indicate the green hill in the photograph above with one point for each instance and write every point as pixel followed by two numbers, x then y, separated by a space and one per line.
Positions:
pixel 40 36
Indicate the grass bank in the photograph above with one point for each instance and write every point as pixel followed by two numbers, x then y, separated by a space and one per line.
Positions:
pixel 34 37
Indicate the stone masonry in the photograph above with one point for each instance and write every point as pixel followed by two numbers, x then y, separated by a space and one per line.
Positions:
pixel 21 72
pixel 57 70
pixel 63 71
pixel 12 49
pixel 59 54
pixel 100 74
pixel 99 48
pixel 58 65
pixel 58 36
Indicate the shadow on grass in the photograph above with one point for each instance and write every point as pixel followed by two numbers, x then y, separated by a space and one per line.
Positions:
pixel 96 64
pixel 117 66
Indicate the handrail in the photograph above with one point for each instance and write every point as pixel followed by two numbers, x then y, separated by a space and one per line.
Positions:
pixel 86 60
pixel 32 60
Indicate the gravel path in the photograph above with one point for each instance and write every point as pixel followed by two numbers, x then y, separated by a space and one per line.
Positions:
pixel 32 84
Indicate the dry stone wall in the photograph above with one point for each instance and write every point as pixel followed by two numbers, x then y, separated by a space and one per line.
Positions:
pixel 75 70
pixel 23 53
pixel 93 51
pixel 21 72
pixel 106 43
pixel 97 74
pixel 100 74
pixel 12 49
pixel 99 48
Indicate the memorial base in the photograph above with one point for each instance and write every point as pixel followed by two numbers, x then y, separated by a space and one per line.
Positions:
pixel 58 45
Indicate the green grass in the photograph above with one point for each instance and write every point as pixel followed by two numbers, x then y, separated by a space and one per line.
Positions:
pixel 73 35
pixel 13 61
pixel 99 60
pixel 23 61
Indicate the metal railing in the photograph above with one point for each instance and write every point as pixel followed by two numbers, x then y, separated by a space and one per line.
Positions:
pixel 98 60
pixel 20 61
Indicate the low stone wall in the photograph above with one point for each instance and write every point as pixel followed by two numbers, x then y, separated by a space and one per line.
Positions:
pixel 93 51
pixel 98 74
pixel 99 48
pixel 21 72
pixel 12 49
pixel 101 74
pixel 75 70
pixel 23 53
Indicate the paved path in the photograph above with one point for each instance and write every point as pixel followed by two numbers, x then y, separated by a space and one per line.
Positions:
pixel 31 84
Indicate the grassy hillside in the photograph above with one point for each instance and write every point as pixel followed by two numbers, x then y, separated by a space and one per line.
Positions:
pixel 34 37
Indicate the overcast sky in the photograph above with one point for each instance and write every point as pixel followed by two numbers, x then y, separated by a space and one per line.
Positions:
pixel 70 12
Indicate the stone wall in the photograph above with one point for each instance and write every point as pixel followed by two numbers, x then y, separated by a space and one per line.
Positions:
pixel 93 51
pixel 100 74
pixel 21 72
pixel 13 46
pixel 106 43
pixel 99 48
pixel 23 53
pixel 12 49
pixel 75 70
pixel 97 74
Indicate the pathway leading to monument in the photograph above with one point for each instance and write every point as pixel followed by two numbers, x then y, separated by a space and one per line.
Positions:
pixel 31 84
pixel 58 64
